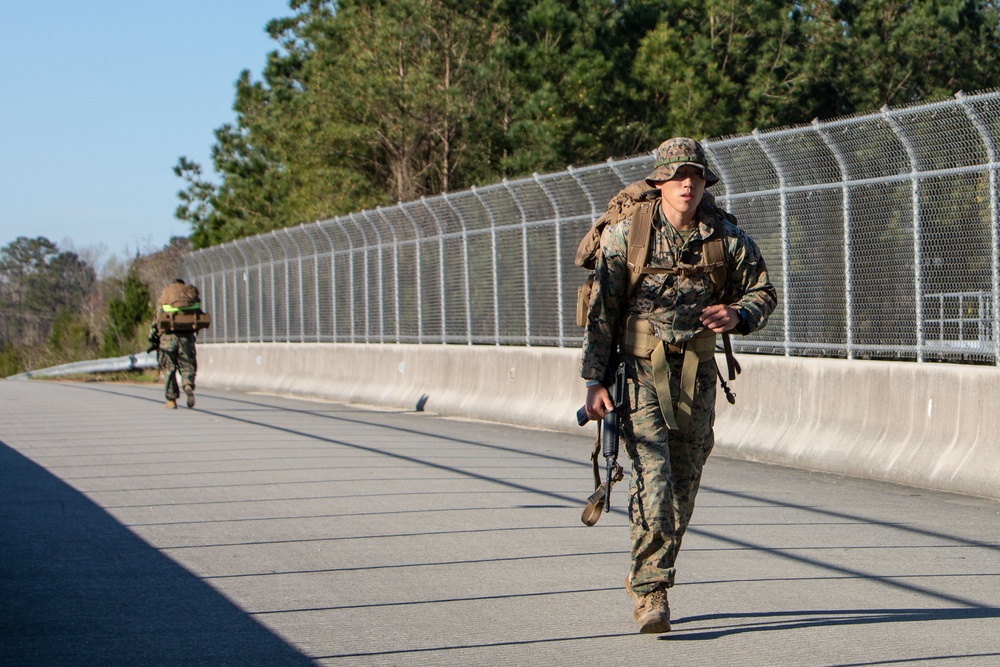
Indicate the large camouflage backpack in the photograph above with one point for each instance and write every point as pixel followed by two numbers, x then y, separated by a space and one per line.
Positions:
pixel 180 309
pixel 639 201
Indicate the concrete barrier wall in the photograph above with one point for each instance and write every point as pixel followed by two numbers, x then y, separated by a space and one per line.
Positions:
pixel 934 426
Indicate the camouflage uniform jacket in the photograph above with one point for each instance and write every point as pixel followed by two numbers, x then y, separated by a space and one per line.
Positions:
pixel 672 303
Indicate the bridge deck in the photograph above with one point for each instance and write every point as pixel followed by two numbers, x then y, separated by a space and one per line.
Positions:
pixel 262 530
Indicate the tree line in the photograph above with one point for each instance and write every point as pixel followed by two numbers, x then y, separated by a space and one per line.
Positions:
pixel 373 102
pixel 55 307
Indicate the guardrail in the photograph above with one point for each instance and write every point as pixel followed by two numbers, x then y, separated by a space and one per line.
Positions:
pixel 144 360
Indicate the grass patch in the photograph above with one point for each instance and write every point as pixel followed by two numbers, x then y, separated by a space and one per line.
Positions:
pixel 140 376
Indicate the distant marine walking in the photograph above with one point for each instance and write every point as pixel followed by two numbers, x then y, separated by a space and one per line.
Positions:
pixel 179 317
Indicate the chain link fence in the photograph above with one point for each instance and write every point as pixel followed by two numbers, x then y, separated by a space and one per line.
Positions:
pixel 880 232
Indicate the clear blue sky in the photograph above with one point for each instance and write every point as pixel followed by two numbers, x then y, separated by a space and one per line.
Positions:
pixel 98 100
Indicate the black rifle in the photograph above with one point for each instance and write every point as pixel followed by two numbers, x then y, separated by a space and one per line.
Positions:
pixel 608 436
pixel 154 341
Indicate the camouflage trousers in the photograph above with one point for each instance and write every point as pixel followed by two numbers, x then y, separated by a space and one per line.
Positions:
pixel 177 353
pixel 666 467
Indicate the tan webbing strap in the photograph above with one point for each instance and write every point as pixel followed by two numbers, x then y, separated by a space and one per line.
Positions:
pixel 698 349
pixel 639 341
pixel 713 256
pixel 595 503
pixel 638 242
pixel 661 380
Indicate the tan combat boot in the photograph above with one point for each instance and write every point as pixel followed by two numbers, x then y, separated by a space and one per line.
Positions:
pixel 652 613
pixel 171 404
pixel 190 396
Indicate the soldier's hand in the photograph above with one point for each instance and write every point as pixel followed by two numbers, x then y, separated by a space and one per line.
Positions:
pixel 598 402
pixel 720 318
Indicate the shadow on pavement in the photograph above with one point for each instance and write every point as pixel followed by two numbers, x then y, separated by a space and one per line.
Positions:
pixel 738 623
pixel 78 588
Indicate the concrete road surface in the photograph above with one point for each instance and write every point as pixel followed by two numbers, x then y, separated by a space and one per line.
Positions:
pixel 262 530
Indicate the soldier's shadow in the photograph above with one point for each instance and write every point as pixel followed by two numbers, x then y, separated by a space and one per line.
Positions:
pixel 725 625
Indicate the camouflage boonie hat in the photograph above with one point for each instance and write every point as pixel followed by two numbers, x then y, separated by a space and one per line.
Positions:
pixel 675 153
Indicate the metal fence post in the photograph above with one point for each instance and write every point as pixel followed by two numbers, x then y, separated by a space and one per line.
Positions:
pixel 379 288
pixel 245 282
pixel 524 261
pixel 316 295
pixel 441 263
pixel 557 224
pixel 785 250
pixel 418 237
pixel 364 265
pixel 302 302
pixel 465 268
pixel 616 170
pixel 991 153
pixel 838 155
pixel 723 173
pixel 380 268
pixel 395 269
pixel 274 305
pixel 918 272
pixel 495 269
pixel 324 229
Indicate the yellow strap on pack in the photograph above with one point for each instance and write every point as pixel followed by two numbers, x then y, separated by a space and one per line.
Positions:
pixel 167 308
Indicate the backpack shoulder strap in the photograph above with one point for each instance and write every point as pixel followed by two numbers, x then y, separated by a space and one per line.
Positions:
pixel 714 257
pixel 639 242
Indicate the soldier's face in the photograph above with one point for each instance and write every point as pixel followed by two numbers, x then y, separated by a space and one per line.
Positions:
pixel 684 191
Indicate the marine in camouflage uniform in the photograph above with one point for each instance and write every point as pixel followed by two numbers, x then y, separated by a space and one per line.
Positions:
pixel 177 356
pixel 676 306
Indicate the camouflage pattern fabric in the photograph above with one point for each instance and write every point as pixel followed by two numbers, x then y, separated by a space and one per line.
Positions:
pixel 672 303
pixel 177 352
pixel 674 153
pixel 667 465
